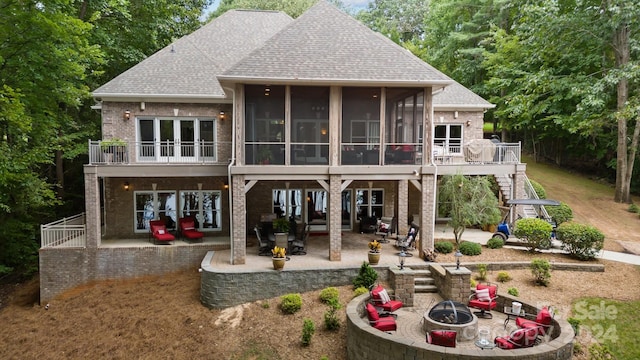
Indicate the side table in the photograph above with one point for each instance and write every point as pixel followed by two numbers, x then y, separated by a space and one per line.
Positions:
pixel 484 344
pixel 511 315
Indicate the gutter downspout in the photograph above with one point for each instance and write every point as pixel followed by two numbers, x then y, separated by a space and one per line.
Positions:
pixel 435 171
pixel 229 177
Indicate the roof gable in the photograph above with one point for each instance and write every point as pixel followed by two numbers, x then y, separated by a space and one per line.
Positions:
pixel 456 96
pixel 326 45
pixel 188 67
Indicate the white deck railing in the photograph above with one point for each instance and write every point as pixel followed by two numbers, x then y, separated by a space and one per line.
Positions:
pixel 67 232
pixel 173 152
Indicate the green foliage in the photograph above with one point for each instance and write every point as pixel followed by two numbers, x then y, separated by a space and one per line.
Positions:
pixel 443 247
pixel 293 8
pixel 366 277
pixel 541 270
pixel 473 283
pixel 18 248
pixel 575 324
pixel 331 321
pixel 600 352
pixel 308 329
pixel 561 213
pixel 265 305
pixel 359 291
pixel 281 225
pixel 495 243
pixel 470 248
pixel 513 291
pixel 482 272
pixel 467 200
pixel 290 303
pixel 324 357
pixel 535 232
pixel 539 189
pixel 328 294
pixel 634 208
pixel 503 276
pixel 583 242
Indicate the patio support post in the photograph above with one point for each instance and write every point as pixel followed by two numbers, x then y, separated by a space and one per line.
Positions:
pixel 239 235
pixel 92 206
pixel 403 207
pixel 427 214
pixel 335 218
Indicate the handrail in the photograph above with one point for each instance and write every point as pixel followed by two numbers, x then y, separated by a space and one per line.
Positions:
pixel 154 152
pixel 66 232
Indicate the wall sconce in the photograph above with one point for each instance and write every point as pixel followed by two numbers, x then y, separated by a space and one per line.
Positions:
pixel 142 106
pixel 468 122
pixel 416 173
pixel 226 184
pixel 126 186
pixel 455 114
pixel 127 114
pixel 323 131
pixel 221 115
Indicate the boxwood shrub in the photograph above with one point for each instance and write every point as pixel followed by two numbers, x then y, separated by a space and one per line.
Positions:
pixel 495 243
pixel 470 248
pixel 443 247
pixel 536 233
pixel 542 193
pixel 580 241
pixel 561 213
pixel 290 303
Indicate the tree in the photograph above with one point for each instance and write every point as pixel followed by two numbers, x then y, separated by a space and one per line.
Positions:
pixel 401 21
pixel 467 201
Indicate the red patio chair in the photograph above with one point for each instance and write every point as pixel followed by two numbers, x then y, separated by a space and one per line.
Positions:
pixel 387 323
pixel 519 338
pixel 542 322
pixel 442 337
pixel 484 298
pixel 187 226
pixel 381 299
pixel 159 232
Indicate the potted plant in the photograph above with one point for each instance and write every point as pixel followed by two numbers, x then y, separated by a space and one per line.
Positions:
pixel 263 155
pixel 374 252
pixel 281 228
pixel 279 257
pixel 113 149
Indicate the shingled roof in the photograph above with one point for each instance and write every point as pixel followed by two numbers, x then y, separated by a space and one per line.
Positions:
pixel 458 97
pixel 327 46
pixel 187 68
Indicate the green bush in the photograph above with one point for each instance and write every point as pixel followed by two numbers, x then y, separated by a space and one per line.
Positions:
pixel 536 233
pixel 331 321
pixel 470 248
pixel 542 194
pixel 513 291
pixel 265 305
pixel 575 324
pixel 443 247
pixel 503 276
pixel 581 241
pixel 473 283
pixel 482 272
pixel 600 352
pixel 495 243
pixel 290 303
pixel 308 329
pixel 561 213
pixel 366 277
pixel 329 293
pixel 634 208
pixel 359 291
pixel 541 270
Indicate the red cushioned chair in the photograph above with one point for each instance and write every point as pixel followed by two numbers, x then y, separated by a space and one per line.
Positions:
pixel 187 226
pixel 519 338
pixel 484 298
pixel 442 337
pixel 387 323
pixel 381 299
pixel 159 232
pixel 542 322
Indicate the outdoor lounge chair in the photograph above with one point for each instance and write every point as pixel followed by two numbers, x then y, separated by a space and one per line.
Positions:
pixel 519 338
pixel 264 249
pixel 484 298
pixel 542 322
pixel 187 226
pixel 442 337
pixel 299 245
pixel 159 232
pixel 408 243
pixel 385 227
pixel 386 323
pixel 380 299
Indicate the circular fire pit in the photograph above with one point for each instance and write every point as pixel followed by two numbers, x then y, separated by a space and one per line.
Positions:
pixel 452 315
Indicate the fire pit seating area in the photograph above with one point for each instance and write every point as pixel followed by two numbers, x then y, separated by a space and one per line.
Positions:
pixel 484 298
pixel 381 300
pixel 386 322
pixel 446 338
pixel 454 316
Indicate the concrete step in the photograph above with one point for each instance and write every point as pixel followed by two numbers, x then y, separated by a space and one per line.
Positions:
pixel 422 289
pixel 424 281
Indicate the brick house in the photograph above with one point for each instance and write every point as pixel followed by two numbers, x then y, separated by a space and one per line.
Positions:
pixel 318 119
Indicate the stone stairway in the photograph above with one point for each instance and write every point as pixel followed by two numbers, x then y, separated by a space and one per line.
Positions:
pixel 424 283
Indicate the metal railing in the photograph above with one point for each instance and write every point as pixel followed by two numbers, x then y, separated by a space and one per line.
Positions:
pixel 174 152
pixel 67 232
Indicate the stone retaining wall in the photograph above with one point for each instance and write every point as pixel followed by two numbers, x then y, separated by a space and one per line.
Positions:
pixel 367 343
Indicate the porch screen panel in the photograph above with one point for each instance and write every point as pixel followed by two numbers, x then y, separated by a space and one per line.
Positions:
pixel 264 124
pixel 309 125
pixel 360 126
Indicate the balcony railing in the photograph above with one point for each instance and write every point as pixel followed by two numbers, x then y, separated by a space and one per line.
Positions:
pixel 174 152
pixel 478 153
pixel 67 232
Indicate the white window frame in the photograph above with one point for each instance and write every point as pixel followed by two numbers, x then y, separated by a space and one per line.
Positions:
pixel 449 146
pixel 202 218
pixel 144 148
pixel 368 204
pixel 141 214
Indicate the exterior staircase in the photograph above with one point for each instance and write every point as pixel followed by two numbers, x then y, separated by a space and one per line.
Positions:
pixel 423 281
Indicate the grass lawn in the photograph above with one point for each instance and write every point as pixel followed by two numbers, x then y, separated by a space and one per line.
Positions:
pixel 614 324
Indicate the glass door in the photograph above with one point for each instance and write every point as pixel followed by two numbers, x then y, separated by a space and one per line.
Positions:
pixel 317 209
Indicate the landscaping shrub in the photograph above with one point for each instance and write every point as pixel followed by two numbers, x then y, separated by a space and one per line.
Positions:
pixel 470 248
pixel 495 243
pixel 265 305
pixel 513 291
pixel 443 247
pixel 366 277
pixel 541 270
pixel 575 324
pixel 503 276
pixel 581 241
pixel 331 321
pixel 542 193
pixel 359 291
pixel 473 283
pixel 536 232
pixel 482 272
pixel 600 352
pixel 290 303
pixel 329 293
pixel 634 208
pixel 308 328
pixel 561 213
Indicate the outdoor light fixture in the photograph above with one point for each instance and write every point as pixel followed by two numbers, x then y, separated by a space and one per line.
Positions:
pixel 468 122
pixel 126 186
pixel 416 173
pixel 226 184
pixel 127 114
pixel 221 115
pixel 401 257
pixel 458 255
